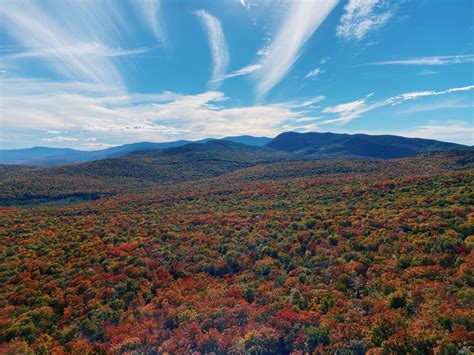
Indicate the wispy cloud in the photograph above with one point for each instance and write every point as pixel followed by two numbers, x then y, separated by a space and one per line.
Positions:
pixel 362 17
pixel 242 71
pixel 310 102
pixel 313 73
pixel 81 49
pixel 219 51
pixel 263 52
pixel 151 12
pixel 346 112
pixel 436 60
pixel 302 18
pixel 60 139
pixel 54 38
pixel 417 94
pixel 428 72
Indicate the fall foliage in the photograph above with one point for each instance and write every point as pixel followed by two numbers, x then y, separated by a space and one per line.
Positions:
pixel 341 257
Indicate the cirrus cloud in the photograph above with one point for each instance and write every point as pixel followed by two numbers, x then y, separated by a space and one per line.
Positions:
pixel 219 51
pixel 362 17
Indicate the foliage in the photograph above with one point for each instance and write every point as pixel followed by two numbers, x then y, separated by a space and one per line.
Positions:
pixel 326 256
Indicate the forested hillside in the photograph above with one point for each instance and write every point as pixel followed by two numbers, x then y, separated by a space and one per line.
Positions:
pixel 342 257
pixel 135 172
pixel 333 145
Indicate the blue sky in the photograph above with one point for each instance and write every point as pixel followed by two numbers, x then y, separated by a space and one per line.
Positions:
pixel 94 74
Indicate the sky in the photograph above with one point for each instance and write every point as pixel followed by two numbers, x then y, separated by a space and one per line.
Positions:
pixel 94 74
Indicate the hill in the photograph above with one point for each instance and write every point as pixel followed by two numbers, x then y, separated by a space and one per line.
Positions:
pixel 187 162
pixel 330 145
pixel 45 156
pixel 136 171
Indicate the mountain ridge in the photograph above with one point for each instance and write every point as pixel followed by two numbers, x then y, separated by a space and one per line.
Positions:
pixel 51 156
pixel 329 145
pixel 310 145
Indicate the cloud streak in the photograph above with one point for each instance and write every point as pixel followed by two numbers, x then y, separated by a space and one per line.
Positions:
pixel 151 12
pixel 436 60
pixel 219 51
pixel 298 25
pixel 346 112
pixel 60 39
pixel 241 72
pixel 96 49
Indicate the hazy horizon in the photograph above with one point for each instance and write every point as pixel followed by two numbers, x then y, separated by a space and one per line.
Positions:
pixel 196 141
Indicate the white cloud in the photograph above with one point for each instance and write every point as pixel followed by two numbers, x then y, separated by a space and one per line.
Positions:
pixel 243 71
pixel 362 17
pixel 346 112
pixel 220 53
pixel 60 139
pixel 301 20
pixel 310 102
pixel 54 36
pixel 436 60
pixel 151 12
pixel 417 94
pixel 314 73
pixel 463 88
pixel 34 108
pixel 81 49
pixel 263 52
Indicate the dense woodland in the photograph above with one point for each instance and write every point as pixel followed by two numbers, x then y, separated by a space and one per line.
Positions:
pixel 329 256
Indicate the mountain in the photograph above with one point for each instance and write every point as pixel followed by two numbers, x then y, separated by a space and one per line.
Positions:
pixel 249 140
pixel 330 145
pixel 302 145
pixel 45 156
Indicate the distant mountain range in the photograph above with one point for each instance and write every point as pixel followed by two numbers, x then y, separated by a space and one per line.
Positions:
pixel 45 156
pixel 334 145
pixel 311 145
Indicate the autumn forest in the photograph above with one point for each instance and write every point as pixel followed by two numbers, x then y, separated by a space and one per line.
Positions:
pixel 343 256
